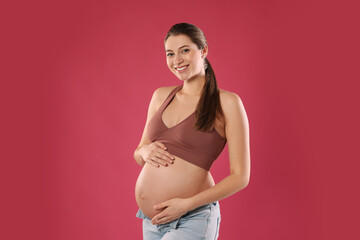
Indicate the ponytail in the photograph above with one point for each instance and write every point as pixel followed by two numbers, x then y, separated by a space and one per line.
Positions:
pixel 209 103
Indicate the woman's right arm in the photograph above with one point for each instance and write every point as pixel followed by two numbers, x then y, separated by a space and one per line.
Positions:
pixel 154 152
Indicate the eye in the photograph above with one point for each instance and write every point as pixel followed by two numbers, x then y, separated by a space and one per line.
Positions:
pixel 169 54
pixel 186 50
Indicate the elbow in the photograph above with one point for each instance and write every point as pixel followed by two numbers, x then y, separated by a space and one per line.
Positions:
pixel 135 157
pixel 138 159
pixel 246 183
pixel 247 180
pixel 243 182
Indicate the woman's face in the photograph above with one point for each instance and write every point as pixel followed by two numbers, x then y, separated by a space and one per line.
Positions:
pixel 183 57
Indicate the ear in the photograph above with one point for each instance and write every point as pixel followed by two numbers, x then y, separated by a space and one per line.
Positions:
pixel 204 52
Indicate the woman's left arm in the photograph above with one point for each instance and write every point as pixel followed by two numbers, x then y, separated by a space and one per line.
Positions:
pixel 237 135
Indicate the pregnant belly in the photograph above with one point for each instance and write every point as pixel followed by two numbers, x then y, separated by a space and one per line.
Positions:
pixel 180 179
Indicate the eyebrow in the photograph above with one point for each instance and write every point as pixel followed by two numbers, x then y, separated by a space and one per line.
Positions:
pixel 179 47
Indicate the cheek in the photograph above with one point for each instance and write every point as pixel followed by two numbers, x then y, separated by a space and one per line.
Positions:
pixel 168 64
pixel 194 59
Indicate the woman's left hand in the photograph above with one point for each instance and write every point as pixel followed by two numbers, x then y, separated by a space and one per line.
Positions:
pixel 174 208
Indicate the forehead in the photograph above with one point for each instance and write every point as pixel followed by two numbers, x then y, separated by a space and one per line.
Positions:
pixel 174 42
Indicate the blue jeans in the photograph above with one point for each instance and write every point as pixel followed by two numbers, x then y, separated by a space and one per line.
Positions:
pixel 200 223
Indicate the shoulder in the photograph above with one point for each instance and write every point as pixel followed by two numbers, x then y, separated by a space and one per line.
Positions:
pixel 229 99
pixel 161 93
pixel 231 104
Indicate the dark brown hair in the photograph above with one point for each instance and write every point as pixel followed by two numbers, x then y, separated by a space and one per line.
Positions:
pixel 209 103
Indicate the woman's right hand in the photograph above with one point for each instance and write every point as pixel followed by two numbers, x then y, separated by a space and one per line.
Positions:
pixel 155 153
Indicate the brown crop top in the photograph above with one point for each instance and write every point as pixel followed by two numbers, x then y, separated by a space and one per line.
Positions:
pixel 183 140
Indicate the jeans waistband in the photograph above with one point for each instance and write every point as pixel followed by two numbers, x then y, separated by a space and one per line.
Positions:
pixel 174 223
pixel 201 208
pixel 140 214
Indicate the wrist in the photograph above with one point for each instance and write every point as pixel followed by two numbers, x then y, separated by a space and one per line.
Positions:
pixel 189 204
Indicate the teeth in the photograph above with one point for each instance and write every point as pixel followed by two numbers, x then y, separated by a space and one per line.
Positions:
pixel 182 68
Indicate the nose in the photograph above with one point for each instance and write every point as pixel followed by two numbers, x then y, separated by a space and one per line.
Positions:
pixel 177 59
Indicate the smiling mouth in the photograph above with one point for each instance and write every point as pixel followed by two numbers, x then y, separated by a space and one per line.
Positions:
pixel 181 69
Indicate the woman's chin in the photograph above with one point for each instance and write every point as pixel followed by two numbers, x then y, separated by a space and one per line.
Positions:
pixel 182 78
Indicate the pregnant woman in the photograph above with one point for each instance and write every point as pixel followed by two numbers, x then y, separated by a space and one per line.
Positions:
pixel 186 129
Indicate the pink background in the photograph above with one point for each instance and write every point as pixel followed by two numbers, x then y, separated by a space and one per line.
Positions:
pixel 77 78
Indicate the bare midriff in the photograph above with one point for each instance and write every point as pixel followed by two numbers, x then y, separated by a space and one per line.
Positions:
pixel 181 179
